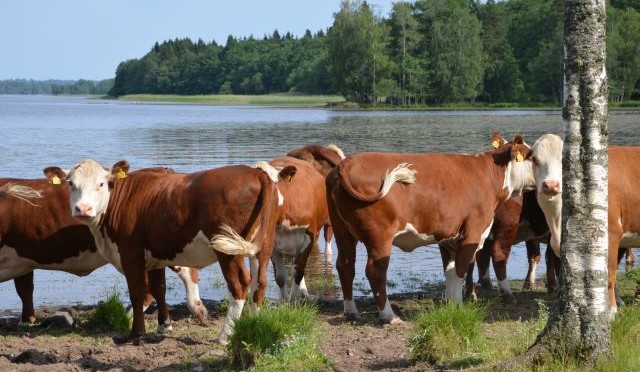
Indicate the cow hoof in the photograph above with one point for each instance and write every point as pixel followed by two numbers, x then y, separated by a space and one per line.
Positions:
pixel 394 321
pixel 164 328
pixel 352 316
pixel 121 339
pixel 485 283
pixel 201 315
pixel 510 299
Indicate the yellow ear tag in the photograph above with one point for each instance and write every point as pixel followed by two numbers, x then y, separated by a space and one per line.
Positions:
pixel 55 180
pixel 495 143
pixel 121 174
pixel 519 157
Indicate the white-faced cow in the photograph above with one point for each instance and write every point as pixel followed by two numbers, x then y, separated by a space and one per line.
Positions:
pixel 324 159
pixel 299 222
pixel 37 231
pixel 144 220
pixel 624 217
pixel 448 199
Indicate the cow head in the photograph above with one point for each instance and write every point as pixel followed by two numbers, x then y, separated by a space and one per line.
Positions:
pixel 546 159
pixel 90 187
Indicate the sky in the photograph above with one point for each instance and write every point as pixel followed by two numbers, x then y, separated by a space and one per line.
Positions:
pixel 87 39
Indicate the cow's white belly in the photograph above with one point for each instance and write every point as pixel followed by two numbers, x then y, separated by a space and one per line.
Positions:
pixel 291 240
pixel 630 240
pixel 12 265
pixel 410 239
pixel 197 254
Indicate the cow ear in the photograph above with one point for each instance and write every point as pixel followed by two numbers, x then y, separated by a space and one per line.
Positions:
pixel 497 140
pixel 120 169
pixel 518 139
pixel 287 173
pixel 55 175
pixel 520 152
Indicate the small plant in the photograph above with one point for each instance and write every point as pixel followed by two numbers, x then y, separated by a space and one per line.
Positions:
pixel 111 315
pixel 447 331
pixel 274 333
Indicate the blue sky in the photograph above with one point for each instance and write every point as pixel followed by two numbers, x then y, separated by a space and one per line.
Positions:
pixel 87 39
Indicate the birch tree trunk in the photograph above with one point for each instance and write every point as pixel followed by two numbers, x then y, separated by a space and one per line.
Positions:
pixel 579 322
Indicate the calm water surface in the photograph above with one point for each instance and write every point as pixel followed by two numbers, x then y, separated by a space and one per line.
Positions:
pixel 39 131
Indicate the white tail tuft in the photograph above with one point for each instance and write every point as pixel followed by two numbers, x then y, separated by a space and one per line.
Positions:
pixel 229 242
pixel 268 169
pixel 400 173
pixel 337 150
pixel 21 192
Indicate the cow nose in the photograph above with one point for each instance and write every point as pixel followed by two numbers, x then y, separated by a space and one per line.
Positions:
pixel 83 210
pixel 551 187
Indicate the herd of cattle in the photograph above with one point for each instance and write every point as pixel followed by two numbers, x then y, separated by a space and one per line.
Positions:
pixel 145 220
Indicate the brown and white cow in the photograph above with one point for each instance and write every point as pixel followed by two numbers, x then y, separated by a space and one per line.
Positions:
pixel 143 221
pixel 300 219
pixel 519 219
pixel 448 199
pixel 324 159
pixel 623 217
pixel 37 231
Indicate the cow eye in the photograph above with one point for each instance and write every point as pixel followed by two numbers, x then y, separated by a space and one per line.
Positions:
pixel 101 184
pixel 70 184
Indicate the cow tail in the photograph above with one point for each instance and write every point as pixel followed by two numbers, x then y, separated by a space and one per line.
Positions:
pixel 401 173
pixel 24 193
pixel 229 241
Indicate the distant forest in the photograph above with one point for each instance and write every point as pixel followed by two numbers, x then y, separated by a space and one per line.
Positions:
pixel 75 87
pixel 423 52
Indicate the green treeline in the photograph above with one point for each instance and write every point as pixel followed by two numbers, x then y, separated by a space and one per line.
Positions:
pixel 79 87
pixel 427 51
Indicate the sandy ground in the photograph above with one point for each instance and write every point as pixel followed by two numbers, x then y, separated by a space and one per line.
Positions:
pixel 361 345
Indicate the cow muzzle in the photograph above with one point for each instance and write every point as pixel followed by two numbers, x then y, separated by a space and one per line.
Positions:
pixel 83 210
pixel 551 187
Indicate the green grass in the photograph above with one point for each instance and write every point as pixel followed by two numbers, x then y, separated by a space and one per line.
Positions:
pixel 111 315
pixel 448 332
pixel 280 337
pixel 281 99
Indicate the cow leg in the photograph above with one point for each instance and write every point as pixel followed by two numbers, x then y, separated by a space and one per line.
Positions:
pixel 483 257
pixel 24 287
pixel 614 244
pixel 158 289
pixel 259 279
pixel 378 255
pixel 299 287
pixel 238 280
pixel 533 257
pixel 470 289
pixel 453 284
pixel 328 234
pixel 553 269
pixel 630 261
pixel 346 261
pixel 134 272
pixel 280 272
pixel 189 277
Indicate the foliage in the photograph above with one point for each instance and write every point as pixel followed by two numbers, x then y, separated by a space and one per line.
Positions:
pixel 280 331
pixel 80 87
pixel 422 52
pixel 111 315
pixel 447 331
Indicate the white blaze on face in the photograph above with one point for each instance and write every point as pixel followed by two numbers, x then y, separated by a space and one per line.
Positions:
pixel 89 186
pixel 546 156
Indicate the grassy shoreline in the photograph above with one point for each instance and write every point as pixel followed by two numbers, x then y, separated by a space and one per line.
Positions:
pixel 339 103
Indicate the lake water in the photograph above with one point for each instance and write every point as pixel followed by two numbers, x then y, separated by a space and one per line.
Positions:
pixel 39 131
